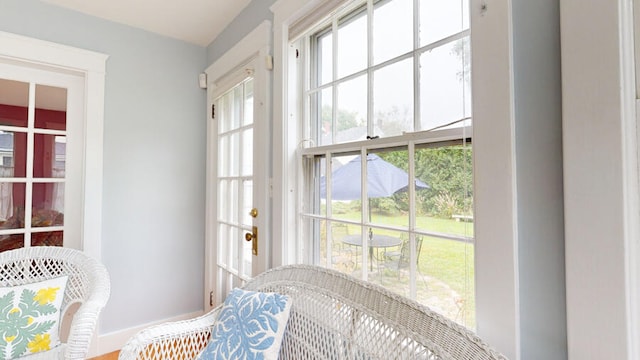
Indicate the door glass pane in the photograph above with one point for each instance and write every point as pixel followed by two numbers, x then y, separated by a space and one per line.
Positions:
pixel 223 201
pixel 48 156
pixel 393 99
pixel 47 204
pixel 247 152
pixel 10 242
pixel 247 190
pixel 224 237
pixel 13 151
pixel 248 103
pixel 49 238
pixel 12 198
pixel 234 154
pixel 223 161
pixel 51 108
pixel 14 103
pixel 392 29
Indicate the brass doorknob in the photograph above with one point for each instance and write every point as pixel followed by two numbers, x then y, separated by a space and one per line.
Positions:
pixel 253 212
pixel 248 236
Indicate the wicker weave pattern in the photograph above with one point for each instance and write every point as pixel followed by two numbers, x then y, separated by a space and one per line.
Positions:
pixel 88 285
pixel 333 316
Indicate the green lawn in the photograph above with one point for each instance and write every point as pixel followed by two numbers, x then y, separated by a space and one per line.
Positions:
pixel 448 264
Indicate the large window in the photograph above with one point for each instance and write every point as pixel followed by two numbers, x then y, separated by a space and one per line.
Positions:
pixel 387 171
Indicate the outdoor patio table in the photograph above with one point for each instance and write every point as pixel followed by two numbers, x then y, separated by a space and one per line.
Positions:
pixel 375 241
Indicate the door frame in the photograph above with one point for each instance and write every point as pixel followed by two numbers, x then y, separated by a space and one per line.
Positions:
pixel 256 46
pixel 30 52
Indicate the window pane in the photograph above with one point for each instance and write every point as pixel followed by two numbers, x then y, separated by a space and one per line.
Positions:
pixel 392 29
pixel 352 45
pixel 12 201
pixel 388 185
pixel 351 123
pixel 445 94
pixel 345 188
pixel 324 106
pixel 51 107
pixel 49 156
pixel 393 99
pixel 442 18
pixel 325 58
pixel 13 152
pixel 14 103
pixel 449 172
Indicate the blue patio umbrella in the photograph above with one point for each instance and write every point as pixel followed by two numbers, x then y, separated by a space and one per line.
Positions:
pixel 383 180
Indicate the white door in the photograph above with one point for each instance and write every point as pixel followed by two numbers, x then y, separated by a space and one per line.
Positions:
pixel 41 157
pixel 238 201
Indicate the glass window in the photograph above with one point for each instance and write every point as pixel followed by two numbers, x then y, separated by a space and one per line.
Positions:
pixel 388 173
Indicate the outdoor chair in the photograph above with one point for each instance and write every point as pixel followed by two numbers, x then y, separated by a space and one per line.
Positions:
pixel 400 260
pixel 86 292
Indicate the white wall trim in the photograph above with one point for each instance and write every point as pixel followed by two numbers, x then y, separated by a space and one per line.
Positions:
pixel 631 176
pixel 113 341
pixel 92 66
pixel 496 229
pixel 598 224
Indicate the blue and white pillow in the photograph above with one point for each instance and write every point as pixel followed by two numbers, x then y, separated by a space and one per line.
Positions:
pixel 250 325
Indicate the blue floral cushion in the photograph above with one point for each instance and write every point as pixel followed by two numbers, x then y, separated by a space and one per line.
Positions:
pixel 250 325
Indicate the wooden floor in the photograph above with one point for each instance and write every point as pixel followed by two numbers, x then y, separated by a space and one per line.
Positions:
pixel 109 356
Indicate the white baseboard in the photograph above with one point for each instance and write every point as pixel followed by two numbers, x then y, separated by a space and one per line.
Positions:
pixel 110 342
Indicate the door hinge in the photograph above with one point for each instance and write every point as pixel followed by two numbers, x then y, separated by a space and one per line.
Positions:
pixel 213 111
pixel 211 298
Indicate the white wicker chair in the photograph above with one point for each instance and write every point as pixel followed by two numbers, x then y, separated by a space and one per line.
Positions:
pixel 88 285
pixel 334 316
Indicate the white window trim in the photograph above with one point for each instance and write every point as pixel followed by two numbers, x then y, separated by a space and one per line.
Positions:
pixel 92 66
pixel 494 157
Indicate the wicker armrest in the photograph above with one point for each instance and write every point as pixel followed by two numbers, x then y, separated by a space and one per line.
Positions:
pixel 180 339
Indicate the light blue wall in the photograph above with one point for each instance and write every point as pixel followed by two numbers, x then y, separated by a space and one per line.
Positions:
pixel 154 160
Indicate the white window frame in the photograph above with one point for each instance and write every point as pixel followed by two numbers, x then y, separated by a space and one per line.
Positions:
pixel 494 159
pixel 91 65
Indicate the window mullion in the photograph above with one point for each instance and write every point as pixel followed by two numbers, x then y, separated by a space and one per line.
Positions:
pixel 416 66
pixel 28 195
pixel 370 118
pixel 334 76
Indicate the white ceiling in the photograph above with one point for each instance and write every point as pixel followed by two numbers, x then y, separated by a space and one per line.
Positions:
pixel 195 21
